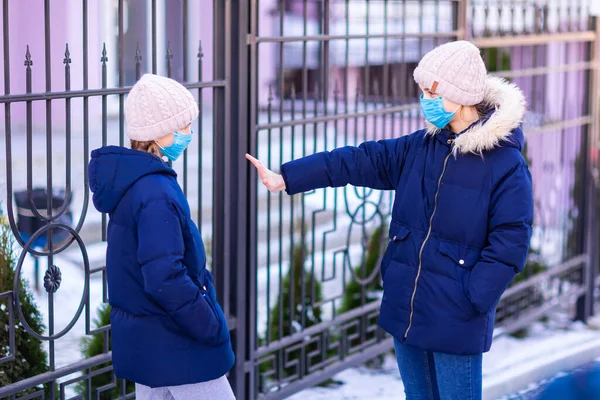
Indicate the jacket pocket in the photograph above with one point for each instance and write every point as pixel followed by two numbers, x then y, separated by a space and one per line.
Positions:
pixel 462 256
pixel 208 292
pixel 463 260
pixel 397 234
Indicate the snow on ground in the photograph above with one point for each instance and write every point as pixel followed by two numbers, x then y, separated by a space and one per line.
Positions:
pixel 361 383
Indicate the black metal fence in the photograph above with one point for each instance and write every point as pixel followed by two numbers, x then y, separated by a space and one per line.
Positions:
pixel 297 276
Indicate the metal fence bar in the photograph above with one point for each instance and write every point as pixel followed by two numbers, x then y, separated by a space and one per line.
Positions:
pixel 307 332
pixel 49 189
pixel 51 376
pixel 463 21
pixel 415 106
pixel 251 339
pixel 534 314
pixel 121 60
pixel 529 40
pixel 332 117
pixel 86 135
pixel 231 160
pixel 219 115
pixel 531 72
pixel 553 271
pixel 591 236
pixel 154 44
pixel 327 372
pixel 7 123
pixel 87 93
pixel 328 38
pixel 200 128
pixel 184 54
pixel 290 295
pixel 561 125
pixel 239 282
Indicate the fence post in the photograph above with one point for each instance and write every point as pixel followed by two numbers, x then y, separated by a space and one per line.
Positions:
pixel 219 158
pixel 593 240
pixel 240 241
pixel 585 305
pixel 463 22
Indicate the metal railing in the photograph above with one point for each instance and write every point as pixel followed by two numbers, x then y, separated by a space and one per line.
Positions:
pixel 291 78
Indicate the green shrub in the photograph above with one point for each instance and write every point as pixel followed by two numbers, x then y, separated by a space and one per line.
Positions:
pixel 94 345
pixel 30 357
pixel 305 315
pixel 353 292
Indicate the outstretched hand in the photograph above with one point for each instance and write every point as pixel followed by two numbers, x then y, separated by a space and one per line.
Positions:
pixel 274 182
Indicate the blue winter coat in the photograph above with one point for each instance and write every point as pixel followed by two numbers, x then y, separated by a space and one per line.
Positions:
pixel 167 327
pixel 461 221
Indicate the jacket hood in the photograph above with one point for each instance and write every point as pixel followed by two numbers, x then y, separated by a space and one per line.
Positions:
pixel 113 170
pixel 501 126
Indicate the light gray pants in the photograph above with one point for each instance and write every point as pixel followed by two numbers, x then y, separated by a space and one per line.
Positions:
pixel 218 389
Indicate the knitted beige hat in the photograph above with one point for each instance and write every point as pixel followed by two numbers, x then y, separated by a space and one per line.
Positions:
pixel 458 69
pixel 157 106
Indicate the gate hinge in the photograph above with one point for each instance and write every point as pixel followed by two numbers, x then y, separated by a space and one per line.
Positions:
pixel 250 39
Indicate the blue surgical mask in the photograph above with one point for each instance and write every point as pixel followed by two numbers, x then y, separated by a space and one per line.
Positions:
pixel 434 112
pixel 180 142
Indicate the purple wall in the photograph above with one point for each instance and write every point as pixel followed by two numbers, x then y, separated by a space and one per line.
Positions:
pixel 26 27
pixel 555 97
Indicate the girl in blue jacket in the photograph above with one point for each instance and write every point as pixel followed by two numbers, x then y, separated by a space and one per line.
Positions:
pixel 461 219
pixel 168 332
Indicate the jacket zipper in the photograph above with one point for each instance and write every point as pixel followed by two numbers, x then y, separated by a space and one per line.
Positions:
pixel 412 299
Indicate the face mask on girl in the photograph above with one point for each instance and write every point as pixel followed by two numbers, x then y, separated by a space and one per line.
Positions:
pixel 434 112
pixel 180 142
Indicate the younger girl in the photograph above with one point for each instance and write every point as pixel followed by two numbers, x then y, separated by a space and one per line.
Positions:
pixel 169 334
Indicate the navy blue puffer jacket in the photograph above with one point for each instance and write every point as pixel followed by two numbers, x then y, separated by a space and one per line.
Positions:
pixel 461 220
pixel 167 327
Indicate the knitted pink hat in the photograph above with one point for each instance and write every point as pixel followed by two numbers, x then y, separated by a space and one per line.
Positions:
pixel 458 69
pixel 157 106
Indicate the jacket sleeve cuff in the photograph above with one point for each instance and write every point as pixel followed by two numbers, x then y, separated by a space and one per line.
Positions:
pixel 286 181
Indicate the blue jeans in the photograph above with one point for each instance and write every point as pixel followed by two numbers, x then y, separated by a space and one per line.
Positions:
pixel 438 376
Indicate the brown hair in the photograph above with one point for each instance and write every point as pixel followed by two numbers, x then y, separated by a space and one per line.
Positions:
pixel 483 109
pixel 147 146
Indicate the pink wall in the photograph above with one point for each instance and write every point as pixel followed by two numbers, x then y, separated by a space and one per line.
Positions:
pixel 553 153
pixel 26 27
pixel 267 52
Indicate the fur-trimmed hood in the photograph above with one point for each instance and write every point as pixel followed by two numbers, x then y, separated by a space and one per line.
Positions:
pixel 507 104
